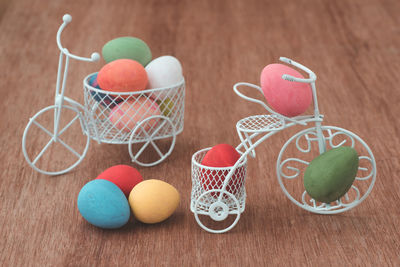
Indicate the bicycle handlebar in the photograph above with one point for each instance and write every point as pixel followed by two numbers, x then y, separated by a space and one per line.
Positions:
pixel 66 20
pixel 290 78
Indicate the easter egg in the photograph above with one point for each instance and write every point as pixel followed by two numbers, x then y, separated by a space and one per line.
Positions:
pixel 123 176
pixel 330 175
pixel 165 71
pixel 127 47
pixel 104 99
pixel 122 75
pixel 287 98
pixel 222 155
pixel 103 204
pixel 166 106
pixel 153 201
pixel 126 115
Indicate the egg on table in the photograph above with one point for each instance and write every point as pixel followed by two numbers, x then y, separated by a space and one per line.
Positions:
pixel 153 201
pixel 123 176
pixel 103 204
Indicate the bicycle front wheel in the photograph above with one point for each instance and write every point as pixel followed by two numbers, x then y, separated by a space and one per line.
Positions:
pixel 53 154
pixel 302 148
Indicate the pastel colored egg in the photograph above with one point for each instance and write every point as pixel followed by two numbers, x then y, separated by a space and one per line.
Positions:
pixel 127 47
pixel 122 75
pixel 126 115
pixel 104 99
pixel 285 97
pixel 166 106
pixel 221 156
pixel 123 176
pixel 329 176
pixel 163 72
pixel 103 204
pixel 153 201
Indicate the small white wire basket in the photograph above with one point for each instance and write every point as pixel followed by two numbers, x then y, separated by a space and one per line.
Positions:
pixel 140 116
pixel 212 195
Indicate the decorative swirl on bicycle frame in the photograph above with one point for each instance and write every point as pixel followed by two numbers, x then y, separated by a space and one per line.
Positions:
pixel 326 206
pixel 308 149
pixel 332 136
pixel 296 170
pixel 365 169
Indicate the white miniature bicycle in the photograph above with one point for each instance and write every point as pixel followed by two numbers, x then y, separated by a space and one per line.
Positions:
pixel 48 153
pixel 218 200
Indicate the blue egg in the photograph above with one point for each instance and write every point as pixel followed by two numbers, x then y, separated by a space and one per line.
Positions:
pixel 103 204
pixel 103 99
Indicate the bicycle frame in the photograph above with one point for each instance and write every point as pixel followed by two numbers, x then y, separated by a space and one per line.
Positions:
pixel 317 118
pixel 60 92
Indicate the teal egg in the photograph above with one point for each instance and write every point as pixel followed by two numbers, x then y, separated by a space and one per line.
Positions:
pixel 329 176
pixel 103 204
pixel 129 48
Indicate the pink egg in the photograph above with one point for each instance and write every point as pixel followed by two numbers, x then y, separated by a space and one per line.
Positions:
pixel 126 115
pixel 287 98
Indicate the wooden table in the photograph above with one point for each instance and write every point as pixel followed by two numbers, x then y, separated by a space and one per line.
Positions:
pixel 353 47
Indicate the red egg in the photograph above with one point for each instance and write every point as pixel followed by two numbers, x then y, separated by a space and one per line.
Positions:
pixel 222 155
pixel 123 176
pixel 122 75
pixel 285 97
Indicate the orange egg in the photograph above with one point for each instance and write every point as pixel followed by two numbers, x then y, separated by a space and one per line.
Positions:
pixel 122 75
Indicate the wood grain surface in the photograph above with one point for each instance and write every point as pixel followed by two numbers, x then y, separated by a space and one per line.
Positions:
pixel 353 47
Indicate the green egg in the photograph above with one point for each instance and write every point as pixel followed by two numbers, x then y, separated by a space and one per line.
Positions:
pixel 127 47
pixel 166 106
pixel 330 175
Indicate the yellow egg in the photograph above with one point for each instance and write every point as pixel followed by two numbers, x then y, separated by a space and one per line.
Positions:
pixel 153 201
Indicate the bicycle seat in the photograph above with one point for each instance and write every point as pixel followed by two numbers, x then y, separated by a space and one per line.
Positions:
pixel 261 123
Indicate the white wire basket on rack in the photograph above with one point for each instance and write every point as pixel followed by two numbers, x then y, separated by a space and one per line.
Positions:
pixel 295 155
pixel 135 118
pixel 208 194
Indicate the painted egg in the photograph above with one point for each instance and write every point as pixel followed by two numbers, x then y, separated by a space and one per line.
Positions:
pixel 127 47
pixel 103 204
pixel 166 106
pixel 126 115
pixel 329 176
pixel 287 98
pixel 221 156
pixel 122 75
pixel 153 201
pixel 103 98
pixel 123 176
pixel 163 72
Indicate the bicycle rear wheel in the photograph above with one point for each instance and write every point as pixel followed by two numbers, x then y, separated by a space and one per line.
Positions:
pixel 50 154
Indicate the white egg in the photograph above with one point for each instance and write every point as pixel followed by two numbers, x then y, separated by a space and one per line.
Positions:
pixel 163 72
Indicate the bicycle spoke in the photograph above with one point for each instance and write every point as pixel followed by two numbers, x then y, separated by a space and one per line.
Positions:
pixel 68 125
pixel 157 149
pixel 69 148
pixel 44 129
pixel 142 149
pixel 43 150
pixel 151 141
pixel 158 129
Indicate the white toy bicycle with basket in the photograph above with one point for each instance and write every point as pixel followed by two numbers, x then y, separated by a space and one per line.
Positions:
pixel 219 200
pixel 91 121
